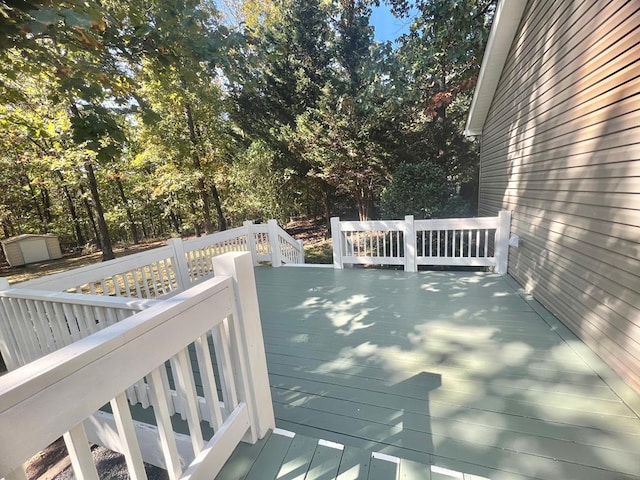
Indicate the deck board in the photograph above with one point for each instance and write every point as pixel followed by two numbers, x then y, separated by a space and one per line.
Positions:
pixel 239 464
pixel 354 464
pixel 325 463
pixel 451 368
pixel 296 463
pixel 380 469
pixel 269 463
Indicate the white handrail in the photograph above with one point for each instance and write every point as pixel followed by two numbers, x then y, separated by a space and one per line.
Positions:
pixel 167 270
pixel 100 368
pixel 34 323
pixel 409 242
pixel 144 275
pixel 289 251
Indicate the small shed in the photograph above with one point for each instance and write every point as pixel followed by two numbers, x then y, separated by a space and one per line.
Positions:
pixel 28 248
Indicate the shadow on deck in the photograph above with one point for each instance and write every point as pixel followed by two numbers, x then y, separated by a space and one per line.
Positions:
pixel 453 369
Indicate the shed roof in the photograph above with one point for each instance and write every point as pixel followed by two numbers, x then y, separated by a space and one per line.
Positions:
pixel 26 236
pixel 503 31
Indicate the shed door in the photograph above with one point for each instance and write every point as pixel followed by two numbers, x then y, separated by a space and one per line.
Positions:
pixel 34 250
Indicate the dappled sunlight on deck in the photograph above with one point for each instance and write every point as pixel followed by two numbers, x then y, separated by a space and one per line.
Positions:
pixel 455 369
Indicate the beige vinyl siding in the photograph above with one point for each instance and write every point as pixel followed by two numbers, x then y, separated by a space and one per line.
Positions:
pixel 13 254
pixel 561 150
pixel 53 247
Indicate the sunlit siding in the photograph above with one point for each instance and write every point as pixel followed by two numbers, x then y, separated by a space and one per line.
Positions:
pixel 561 150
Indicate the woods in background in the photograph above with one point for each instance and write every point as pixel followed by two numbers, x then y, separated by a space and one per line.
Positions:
pixel 129 120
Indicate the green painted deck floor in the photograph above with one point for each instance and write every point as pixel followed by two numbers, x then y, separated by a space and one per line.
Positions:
pixel 453 369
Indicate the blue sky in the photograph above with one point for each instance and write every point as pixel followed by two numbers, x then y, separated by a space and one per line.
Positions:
pixel 387 27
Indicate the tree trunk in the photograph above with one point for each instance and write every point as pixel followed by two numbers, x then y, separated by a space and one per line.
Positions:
pixel 105 238
pixel 175 221
pixel 92 220
pixel 26 182
pixel 132 223
pixel 195 158
pixel 80 241
pixel 8 229
pixel 46 204
pixel 327 208
pixel 196 225
pixel 154 229
pixel 145 233
pixel 222 222
pixel 362 204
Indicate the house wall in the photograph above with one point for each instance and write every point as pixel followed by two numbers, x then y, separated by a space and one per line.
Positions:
pixel 561 150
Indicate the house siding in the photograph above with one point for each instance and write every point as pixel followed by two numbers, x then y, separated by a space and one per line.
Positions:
pixel 13 254
pixel 53 247
pixel 561 150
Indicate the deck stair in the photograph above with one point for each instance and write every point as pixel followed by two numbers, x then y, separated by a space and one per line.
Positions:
pixel 284 455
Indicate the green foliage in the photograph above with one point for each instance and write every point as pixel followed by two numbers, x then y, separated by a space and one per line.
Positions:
pixel 260 191
pixel 139 118
pixel 440 59
pixel 318 252
pixel 424 190
pixel 319 92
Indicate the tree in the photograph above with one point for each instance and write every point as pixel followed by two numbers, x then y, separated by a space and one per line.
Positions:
pixel 279 75
pixel 352 127
pixel 179 82
pixel 62 44
pixel 440 60
pixel 318 91
pixel 36 142
pixel 424 190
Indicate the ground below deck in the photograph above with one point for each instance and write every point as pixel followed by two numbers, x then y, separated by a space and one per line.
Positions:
pixel 455 369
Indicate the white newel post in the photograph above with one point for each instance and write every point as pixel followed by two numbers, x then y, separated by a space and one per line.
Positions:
pixel 301 246
pixel 409 244
pixel 239 266
pixel 251 241
pixel 501 246
pixel 336 240
pixel 274 243
pixel 181 269
pixel 4 284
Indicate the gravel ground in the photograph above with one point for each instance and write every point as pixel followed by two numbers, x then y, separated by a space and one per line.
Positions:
pixel 111 465
pixel 53 463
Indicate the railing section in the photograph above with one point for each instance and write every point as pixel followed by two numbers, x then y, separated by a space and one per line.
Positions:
pixel 369 243
pixel 200 252
pixel 34 323
pixel 455 242
pixel 259 244
pixel 149 274
pixel 288 251
pixel 168 270
pixel 79 379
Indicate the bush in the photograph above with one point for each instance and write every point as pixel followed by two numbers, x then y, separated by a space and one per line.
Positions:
pixel 423 190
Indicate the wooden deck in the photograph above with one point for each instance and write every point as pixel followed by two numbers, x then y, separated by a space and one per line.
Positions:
pixel 453 369
pixel 288 456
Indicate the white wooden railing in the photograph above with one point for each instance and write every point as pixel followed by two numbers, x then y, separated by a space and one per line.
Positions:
pixel 62 392
pixel 455 241
pixel 34 323
pixel 175 267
